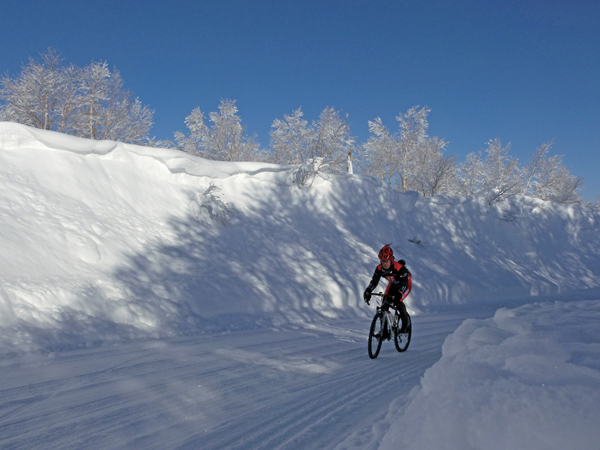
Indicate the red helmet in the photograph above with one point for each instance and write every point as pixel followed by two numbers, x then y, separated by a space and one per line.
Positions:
pixel 386 253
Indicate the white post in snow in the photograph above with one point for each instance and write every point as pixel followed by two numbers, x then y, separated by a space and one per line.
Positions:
pixel 349 163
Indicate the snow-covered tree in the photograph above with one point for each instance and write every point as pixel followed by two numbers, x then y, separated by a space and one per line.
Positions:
pixel 108 111
pixel 324 145
pixel 94 84
pixel 224 140
pixel 332 140
pixel 500 176
pixel 291 138
pixel 413 135
pixel 382 153
pixel 408 159
pixel 536 165
pixel 471 175
pixel 501 173
pixel 88 102
pixel 559 185
pixel 547 178
pixel 434 173
pixel 70 100
pixel 34 96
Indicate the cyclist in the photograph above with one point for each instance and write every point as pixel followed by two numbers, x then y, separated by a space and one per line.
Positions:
pixel 399 282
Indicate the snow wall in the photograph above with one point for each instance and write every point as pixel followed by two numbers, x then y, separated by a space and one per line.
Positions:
pixel 103 242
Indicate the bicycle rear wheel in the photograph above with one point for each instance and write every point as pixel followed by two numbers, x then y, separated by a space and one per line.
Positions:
pixel 375 335
pixel 401 340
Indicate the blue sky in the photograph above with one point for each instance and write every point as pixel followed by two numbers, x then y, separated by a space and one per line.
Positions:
pixel 526 71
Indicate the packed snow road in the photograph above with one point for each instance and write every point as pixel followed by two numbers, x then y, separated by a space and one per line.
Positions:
pixel 303 388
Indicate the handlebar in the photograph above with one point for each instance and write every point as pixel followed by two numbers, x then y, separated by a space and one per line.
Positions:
pixel 385 298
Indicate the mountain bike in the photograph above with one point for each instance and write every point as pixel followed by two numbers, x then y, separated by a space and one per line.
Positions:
pixel 386 326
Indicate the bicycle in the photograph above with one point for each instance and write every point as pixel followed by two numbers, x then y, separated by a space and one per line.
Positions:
pixel 384 326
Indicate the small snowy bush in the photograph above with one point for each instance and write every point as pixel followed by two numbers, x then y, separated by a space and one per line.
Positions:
pixel 208 208
pixel 307 172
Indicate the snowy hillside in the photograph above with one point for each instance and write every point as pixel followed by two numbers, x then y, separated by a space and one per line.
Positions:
pixel 104 241
pixel 107 243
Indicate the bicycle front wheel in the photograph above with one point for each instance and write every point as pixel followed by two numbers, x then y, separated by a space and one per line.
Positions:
pixel 375 335
pixel 401 340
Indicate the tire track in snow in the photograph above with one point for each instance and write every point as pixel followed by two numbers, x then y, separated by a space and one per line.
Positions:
pixel 248 390
pixel 327 408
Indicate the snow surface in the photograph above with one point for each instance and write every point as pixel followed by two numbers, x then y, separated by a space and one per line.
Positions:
pixel 526 378
pixel 152 299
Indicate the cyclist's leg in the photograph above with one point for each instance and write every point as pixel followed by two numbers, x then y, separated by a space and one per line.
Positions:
pixel 406 292
pixel 403 291
pixel 403 315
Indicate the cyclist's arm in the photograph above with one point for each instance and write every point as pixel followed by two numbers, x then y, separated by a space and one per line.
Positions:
pixel 375 280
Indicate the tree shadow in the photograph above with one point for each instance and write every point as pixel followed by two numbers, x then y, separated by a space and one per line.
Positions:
pixel 292 256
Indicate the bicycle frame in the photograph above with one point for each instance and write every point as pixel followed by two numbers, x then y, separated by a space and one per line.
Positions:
pixel 385 305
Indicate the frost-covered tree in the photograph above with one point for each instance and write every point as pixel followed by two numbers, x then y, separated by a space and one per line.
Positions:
pixel 499 176
pixel 547 178
pixel 34 97
pixel 402 160
pixel 434 173
pixel 410 159
pixel 108 111
pixel 332 140
pixel 501 173
pixel 383 158
pixel 554 182
pixel 559 185
pixel 470 175
pixel 224 139
pixel 413 135
pixel 536 165
pixel 94 85
pixel 322 146
pixel 70 100
pixel 88 102
pixel 291 139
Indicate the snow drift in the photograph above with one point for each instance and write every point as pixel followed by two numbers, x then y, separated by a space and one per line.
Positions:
pixel 527 378
pixel 104 242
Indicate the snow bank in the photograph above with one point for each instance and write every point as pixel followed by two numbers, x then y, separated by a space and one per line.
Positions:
pixel 104 242
pixel 526 378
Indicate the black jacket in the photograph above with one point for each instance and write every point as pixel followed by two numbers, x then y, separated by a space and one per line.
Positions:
pixel 396 274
